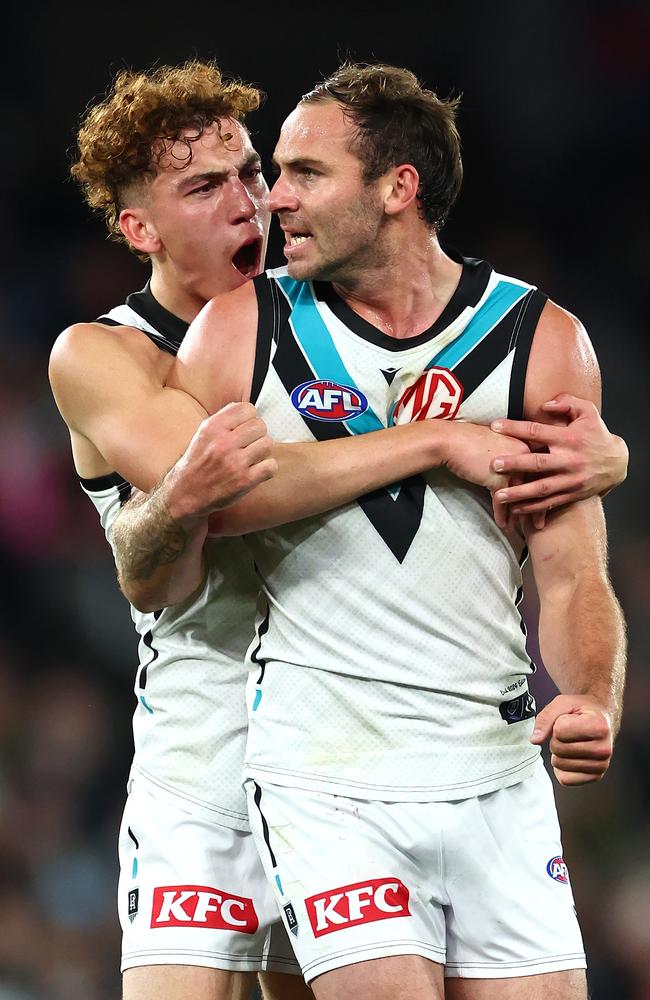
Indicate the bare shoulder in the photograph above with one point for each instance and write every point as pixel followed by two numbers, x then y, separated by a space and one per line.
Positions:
pixel 215 361
pixel 223 320
pixel 88 358
pixel 84 344
pixel 562 359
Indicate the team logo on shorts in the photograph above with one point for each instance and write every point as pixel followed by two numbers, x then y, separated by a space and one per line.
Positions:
pixel 436 395
pixel 359 903
pixel 325 400
pixel 132 911
pixel 292 919
pixel 558 870
pixel 202 906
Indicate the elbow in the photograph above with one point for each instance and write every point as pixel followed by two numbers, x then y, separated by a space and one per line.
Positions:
pixel 143 598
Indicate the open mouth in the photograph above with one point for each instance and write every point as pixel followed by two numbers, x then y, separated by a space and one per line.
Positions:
pixel 247 258
pixel 294 240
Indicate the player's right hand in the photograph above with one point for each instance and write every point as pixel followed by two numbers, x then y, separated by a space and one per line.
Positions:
pixel 471 450
pixel 229 455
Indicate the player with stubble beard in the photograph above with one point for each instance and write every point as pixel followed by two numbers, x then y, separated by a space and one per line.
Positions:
pixel 393 756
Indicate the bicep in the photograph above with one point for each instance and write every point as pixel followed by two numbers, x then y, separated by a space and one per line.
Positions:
pixel 141 439
pixel 110 393
pixel 562 359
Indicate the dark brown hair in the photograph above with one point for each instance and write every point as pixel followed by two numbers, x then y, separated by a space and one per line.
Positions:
pixel 398 121
pixel 121 139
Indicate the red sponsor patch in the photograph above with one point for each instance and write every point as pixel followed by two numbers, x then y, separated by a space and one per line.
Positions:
pixel 360 903
pixel 202 906
pixel 437 395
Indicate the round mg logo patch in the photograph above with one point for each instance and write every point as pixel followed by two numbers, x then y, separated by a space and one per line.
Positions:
pixel 437 395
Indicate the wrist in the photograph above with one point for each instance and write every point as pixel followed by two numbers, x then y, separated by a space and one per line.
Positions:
pixel 441 442
pixel 176 503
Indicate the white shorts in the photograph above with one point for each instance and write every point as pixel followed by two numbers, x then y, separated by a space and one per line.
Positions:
pixel 478 885
pixel 193 892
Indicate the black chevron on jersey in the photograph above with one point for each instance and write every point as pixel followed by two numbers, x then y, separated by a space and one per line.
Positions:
pixel 513 332
pixel 396 520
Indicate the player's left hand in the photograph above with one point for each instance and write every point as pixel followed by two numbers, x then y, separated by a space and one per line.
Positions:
pixel 581 738
pixel 579 460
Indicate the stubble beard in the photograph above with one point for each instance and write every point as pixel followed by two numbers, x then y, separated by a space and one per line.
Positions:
pixel 346 264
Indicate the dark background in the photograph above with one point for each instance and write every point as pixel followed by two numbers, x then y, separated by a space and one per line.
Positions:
pixel 554 125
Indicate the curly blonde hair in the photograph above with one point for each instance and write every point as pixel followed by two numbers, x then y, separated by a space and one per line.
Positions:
pixel 122 138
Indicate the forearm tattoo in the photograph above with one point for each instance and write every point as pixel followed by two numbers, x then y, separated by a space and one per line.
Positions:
pixel 147 539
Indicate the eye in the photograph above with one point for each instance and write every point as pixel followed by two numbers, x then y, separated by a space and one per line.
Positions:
pixel 252 175
pixel 204 188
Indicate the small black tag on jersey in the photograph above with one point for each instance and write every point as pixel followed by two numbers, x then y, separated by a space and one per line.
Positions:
pixel 389 374
pixel 292 920
pixel 518 709
pixel 134 895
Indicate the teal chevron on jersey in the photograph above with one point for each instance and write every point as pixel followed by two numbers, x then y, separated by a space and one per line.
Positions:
pixel 316 341
pixel 498 303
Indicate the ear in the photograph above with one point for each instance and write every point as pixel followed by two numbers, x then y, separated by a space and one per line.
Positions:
pixel 401 188
pixel 139 230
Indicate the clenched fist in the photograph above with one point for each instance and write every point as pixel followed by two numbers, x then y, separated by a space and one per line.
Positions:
pixel 581 739
pixel 229 455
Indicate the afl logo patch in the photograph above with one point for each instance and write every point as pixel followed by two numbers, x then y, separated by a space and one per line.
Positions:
pixel 558 870
pixel 436 395
pixel 325 400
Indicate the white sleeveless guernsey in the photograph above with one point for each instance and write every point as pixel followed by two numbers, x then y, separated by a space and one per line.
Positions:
pixel 390 658
pixel 189 724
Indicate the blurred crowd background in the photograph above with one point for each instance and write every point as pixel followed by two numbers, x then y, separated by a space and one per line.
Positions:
pixel 555 131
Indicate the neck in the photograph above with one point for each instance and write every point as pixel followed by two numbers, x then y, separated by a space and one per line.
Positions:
pixel 173 295
pixel 407 292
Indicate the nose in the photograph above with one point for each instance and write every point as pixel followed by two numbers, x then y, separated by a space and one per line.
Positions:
pixel 243 208
pixel 282 197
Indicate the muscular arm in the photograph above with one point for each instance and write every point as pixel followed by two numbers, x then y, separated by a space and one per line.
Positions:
pixel 581 626
pixel 582 640
pixel 112 396
pixel 214 366
pixel 108 384
pixel 573 455
pixel 316 477
pixel 158 556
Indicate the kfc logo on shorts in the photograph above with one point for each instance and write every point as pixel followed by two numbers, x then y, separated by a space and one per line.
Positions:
pixel 437 394
pixel 360 903
pixel 322 399
pixel 202 906
pixel 558 870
